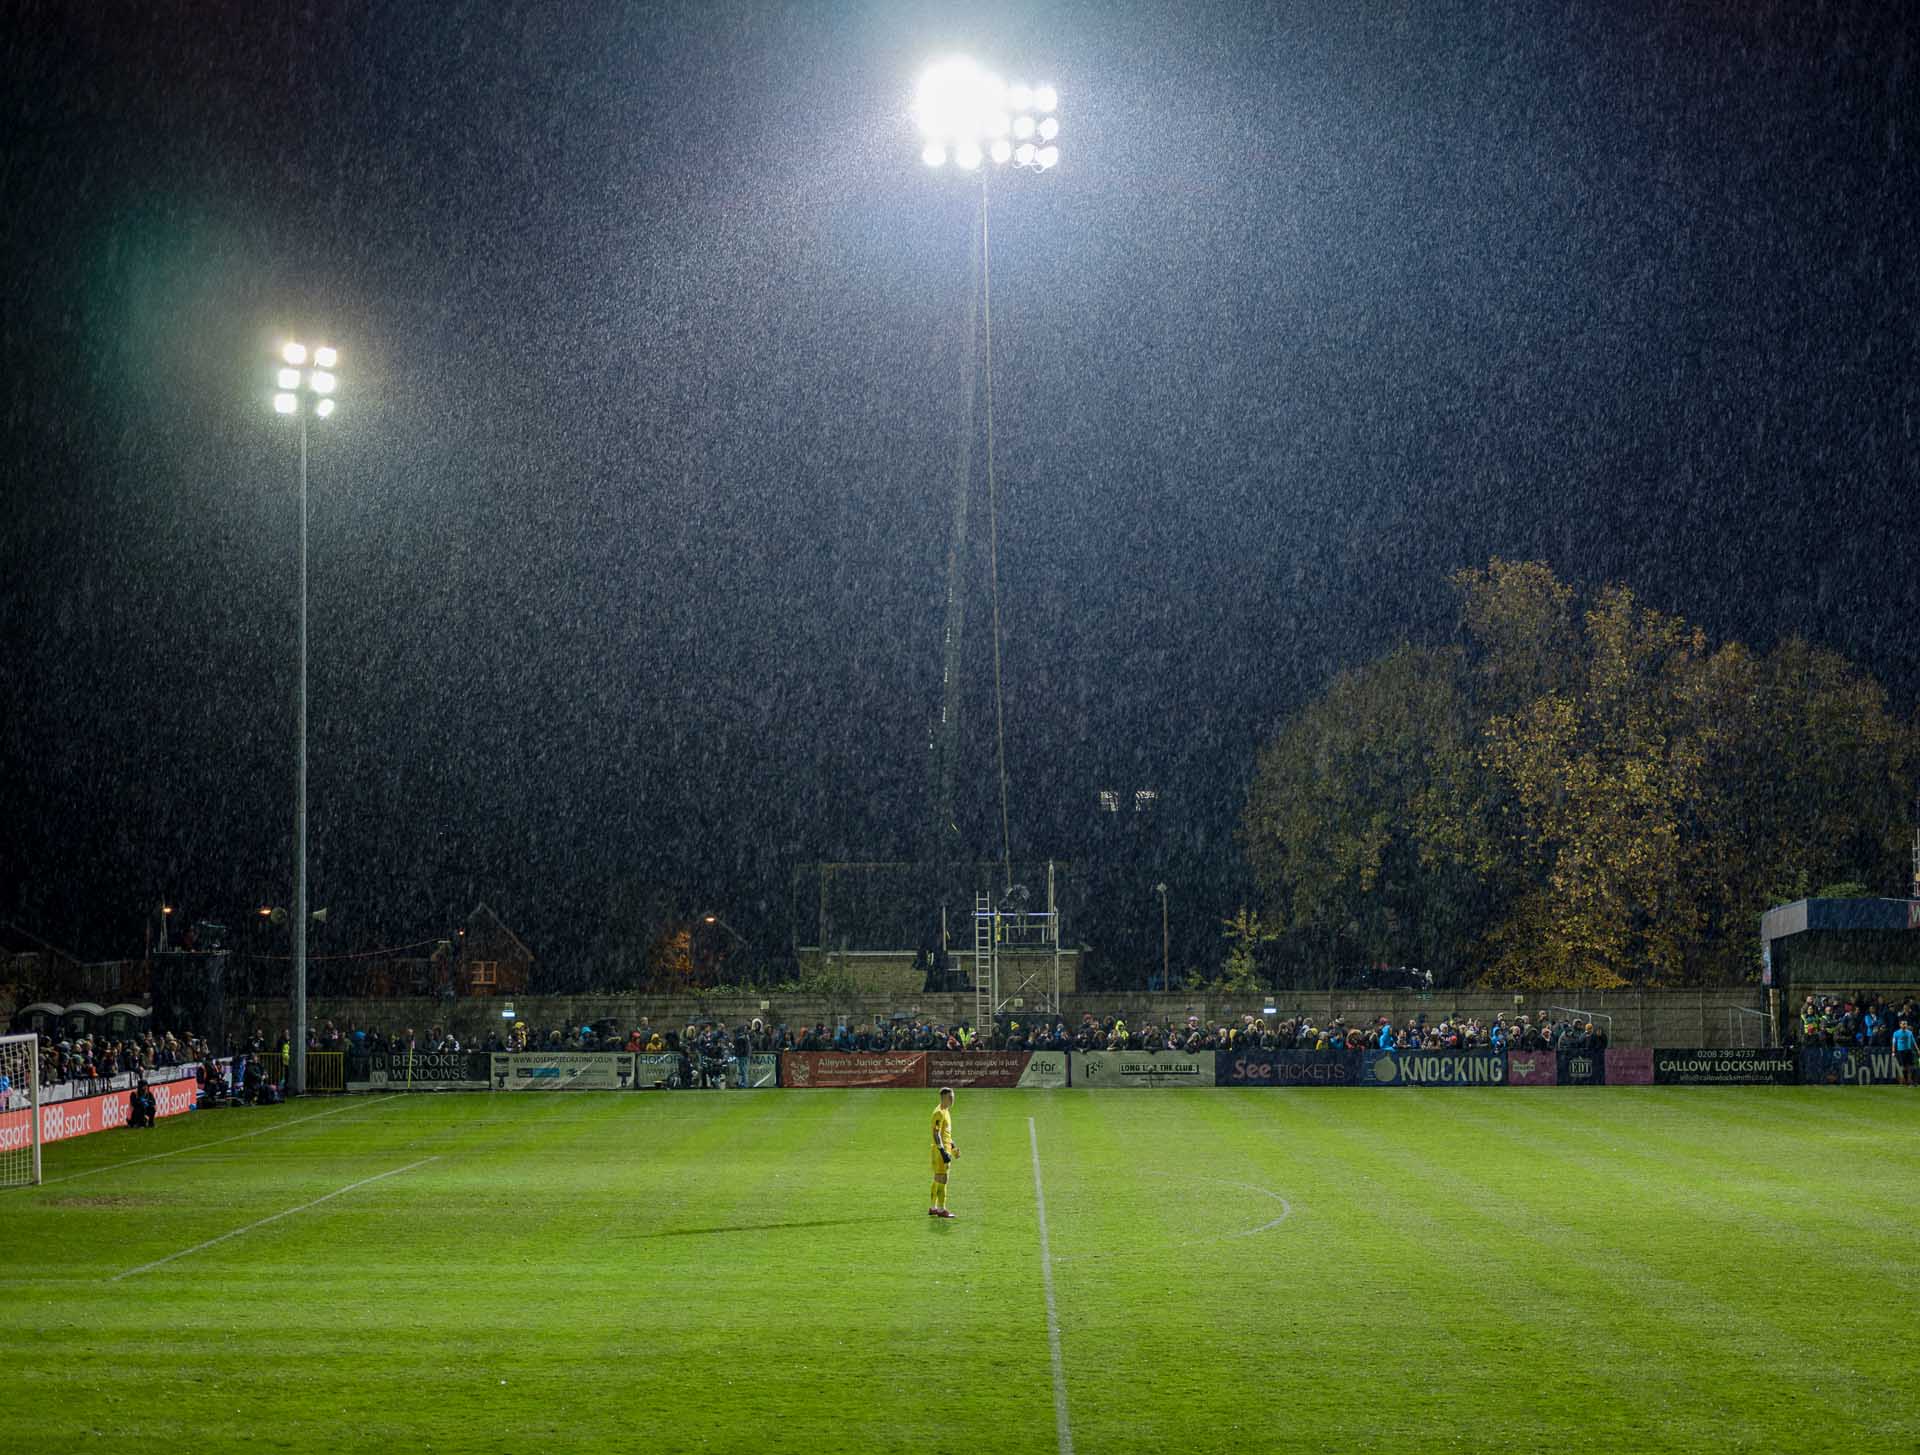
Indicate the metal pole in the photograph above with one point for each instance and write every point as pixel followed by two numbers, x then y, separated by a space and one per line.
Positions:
pixel 1166 984
pixel 297 1049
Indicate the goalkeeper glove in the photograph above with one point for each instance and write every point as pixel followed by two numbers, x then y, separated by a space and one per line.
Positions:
pixel 945 1155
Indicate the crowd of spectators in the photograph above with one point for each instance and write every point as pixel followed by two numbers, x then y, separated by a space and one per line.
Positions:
pixel 91 1062
pixel 1861 1020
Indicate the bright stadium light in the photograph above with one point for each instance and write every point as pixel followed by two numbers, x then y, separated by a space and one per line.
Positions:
pixel 316 386
pixel 966 114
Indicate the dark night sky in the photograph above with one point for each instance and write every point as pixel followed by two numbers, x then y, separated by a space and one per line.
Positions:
pixel 626 542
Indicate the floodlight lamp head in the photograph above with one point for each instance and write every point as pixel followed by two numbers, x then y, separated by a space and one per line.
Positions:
pixel 962 108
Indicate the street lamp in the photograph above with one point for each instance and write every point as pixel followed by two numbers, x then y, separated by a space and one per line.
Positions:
pixel 304 384
pixel 969 116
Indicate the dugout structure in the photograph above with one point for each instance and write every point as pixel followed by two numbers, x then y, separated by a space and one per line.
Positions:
pixel 1834 945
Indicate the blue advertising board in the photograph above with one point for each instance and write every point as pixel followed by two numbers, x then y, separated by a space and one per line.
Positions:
pixel 1286 1068
pixel 1432 1068
pixel 1848 1066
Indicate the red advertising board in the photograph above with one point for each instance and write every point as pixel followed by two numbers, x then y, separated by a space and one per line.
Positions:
pixel 975 1068
pixel 1630 1066
pixel 1533 1068
pixel 76 1118
pixel 853 1068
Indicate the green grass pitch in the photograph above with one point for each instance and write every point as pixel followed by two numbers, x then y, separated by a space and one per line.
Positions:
pixel 1614 1269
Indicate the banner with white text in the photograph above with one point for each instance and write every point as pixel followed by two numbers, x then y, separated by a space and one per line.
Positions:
pixel 82 1115
pixel 1140 1069
pixel 805 1069
pixel 997 1068
pixel 1433 1068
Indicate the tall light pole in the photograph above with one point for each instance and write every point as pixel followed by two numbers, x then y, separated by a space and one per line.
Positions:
pixel 301 390
pixel 969 116
pixel 1166 983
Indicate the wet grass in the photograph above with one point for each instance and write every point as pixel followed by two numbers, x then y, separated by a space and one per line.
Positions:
pixel 1251 1270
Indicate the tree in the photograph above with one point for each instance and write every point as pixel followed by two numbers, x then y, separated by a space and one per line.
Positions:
pixel 1574 796
pixel 1365 826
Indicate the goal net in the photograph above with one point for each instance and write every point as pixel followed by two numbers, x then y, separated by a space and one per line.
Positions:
pixel 19 1111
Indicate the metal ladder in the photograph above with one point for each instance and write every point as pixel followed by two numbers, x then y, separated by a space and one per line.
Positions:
pixel 982 964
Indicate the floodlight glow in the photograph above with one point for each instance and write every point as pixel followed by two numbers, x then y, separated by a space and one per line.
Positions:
pixel 967 154
pixel 323 408
pixel 326 357
pixel 288 378
pixel 1045 98
pixel 1002 149
pixel 998 123
pixel 1020 97
pixel 1023 128
pixel 295 354
pixel 955 100
pixel 285 404
pixel 935 155
pixel 1049 129
pixel 1023 154
pixel 321 381
pixel 1047 157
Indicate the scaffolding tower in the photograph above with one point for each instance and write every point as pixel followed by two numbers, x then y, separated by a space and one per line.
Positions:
pixel 1016 954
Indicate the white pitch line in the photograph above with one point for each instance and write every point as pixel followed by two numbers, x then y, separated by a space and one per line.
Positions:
pixel 273 1218
pixel 1053 1312
pixel 217 1141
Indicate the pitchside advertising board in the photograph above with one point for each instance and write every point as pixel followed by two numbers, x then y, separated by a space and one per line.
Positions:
pixel 84 1114
pixel 1044 1069
pixel 1433 1068
pixel 1285 1068
pixel 815 1069
pixel 1848 1066
pixel 1137 1069
pixel 1727 1066
pixel 562 1071
pixel 653 1070
pixel 419 1071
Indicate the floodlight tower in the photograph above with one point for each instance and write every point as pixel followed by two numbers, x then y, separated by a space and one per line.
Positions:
pixel 970 117
pixel 303 386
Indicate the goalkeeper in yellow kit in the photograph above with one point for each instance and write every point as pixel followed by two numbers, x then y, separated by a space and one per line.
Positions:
pixel 943 1152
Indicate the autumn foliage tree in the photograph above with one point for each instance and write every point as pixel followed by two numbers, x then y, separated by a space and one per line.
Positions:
pixel 1573 795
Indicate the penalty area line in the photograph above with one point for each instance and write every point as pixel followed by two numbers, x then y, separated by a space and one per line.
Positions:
pixel 273 1218
pixel 1053 1311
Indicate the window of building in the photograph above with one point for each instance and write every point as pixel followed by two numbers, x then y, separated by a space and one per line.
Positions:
pixel 486 972
pixel 1144 799
pixel 1109 800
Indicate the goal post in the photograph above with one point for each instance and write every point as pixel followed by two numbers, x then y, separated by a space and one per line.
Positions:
pixel 20 1111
